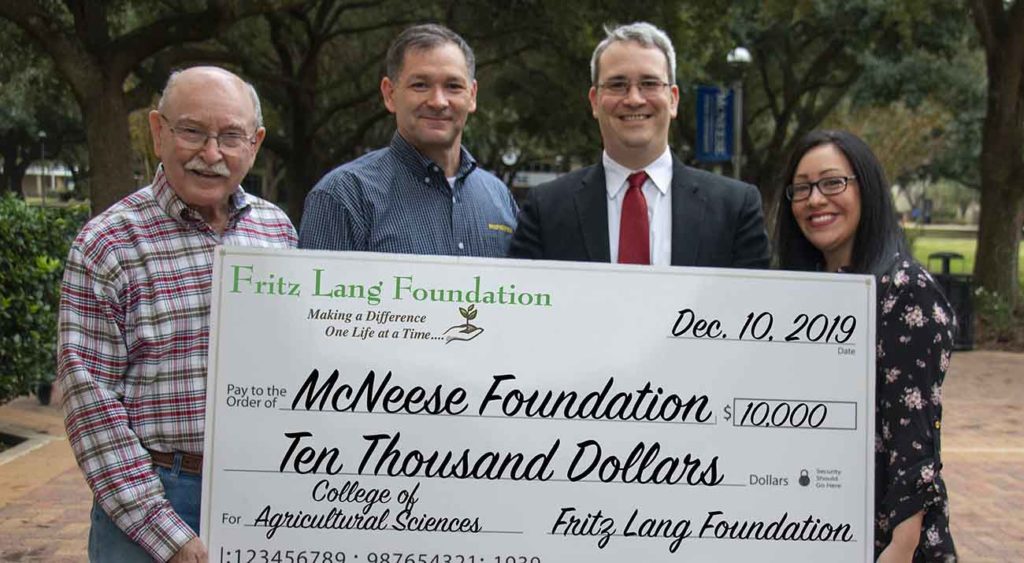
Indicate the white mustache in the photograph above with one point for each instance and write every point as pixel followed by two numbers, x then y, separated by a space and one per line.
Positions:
pixel 197 165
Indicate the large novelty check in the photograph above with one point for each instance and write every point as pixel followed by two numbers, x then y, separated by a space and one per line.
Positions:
pixel 369 408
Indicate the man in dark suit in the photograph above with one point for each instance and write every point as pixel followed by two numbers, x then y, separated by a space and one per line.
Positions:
pixel 641 204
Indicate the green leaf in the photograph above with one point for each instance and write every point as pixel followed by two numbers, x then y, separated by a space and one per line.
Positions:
pixel 33 246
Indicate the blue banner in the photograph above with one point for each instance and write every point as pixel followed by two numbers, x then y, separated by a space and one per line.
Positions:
pixel 714 124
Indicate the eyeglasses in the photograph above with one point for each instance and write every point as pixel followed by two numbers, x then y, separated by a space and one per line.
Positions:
pixel 193 138
pixel 833 185
pixel 647 87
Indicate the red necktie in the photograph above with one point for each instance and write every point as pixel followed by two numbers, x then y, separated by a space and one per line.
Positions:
pixel 634 228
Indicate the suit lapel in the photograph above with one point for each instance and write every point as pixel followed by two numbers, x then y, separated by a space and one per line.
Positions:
pixel 592 211
pixel 688 204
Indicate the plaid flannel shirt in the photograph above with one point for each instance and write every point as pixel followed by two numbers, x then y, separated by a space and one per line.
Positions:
pixel 132 357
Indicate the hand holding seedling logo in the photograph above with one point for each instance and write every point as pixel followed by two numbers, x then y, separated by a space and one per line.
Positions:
pixel 467 331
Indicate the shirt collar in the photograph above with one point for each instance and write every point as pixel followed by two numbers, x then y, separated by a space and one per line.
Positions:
pixel 659 171
pixel 414 159
pixel 178 210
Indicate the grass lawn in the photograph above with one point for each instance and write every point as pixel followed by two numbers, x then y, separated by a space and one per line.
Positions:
pixel 925 245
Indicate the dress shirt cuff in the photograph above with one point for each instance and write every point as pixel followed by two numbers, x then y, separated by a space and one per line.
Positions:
pixel 164 534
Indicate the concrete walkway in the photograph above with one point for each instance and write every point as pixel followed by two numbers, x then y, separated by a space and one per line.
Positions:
pixel 44 502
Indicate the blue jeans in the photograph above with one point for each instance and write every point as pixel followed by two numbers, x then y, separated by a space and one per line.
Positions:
pixel 109 544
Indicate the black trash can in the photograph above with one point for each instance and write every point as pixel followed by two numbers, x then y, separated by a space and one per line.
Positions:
pixel 959 290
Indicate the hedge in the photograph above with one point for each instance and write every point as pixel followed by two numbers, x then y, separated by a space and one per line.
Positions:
pixel 34 244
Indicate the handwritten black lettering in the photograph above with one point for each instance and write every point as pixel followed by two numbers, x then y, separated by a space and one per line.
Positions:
pixel 643 465
pixel 593 524
pixel 372 396
pixel 810 529
pixel 490 465
pixel 644 404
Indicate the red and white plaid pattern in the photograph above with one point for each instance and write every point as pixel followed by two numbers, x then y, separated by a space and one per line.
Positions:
pixel 132 357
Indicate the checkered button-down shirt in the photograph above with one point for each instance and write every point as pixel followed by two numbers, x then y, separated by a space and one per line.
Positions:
pixel 397 200
pixel 134 331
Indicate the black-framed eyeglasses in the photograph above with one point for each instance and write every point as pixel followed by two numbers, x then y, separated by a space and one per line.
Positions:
pixel 620 87
pixel 833 185
pixel 193 138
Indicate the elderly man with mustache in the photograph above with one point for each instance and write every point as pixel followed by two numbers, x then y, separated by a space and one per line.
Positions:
pixel 424 193
pixel 134 318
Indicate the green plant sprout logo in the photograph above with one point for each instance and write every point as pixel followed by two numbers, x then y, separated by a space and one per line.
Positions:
pixel 468 314
pixel 466 331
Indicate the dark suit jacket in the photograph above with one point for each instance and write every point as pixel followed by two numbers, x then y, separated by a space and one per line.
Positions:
pixel 716 221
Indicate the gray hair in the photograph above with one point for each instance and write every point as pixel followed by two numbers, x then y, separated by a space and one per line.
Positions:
pixel 647 35
pixel 250 89
pixel 426 36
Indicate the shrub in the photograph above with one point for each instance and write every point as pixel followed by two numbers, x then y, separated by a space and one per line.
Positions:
pixel 34 243
pixel 997 320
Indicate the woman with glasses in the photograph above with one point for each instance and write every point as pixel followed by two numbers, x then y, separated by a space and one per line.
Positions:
pixel 838 216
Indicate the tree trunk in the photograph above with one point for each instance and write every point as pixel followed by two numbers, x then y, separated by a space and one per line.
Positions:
pixel 10 157
pixel 301 169
pixel 770 200
pixel 765 173
pixel 996 266
pixel 1002 198
pixel 110 148
pixel 18 177
pixel 299 178
pixel 1002 149
pixel 16 163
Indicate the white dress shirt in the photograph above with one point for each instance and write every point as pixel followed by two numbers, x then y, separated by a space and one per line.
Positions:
pixel 658 192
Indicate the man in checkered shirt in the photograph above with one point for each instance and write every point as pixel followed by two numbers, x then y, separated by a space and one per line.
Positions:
pixel 134 318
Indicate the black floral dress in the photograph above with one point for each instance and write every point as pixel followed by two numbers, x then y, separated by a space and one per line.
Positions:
pixel 915 338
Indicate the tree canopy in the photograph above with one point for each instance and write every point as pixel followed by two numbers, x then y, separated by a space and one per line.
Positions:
pixel 936 89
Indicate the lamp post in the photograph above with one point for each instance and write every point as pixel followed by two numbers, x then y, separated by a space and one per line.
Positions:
pixel 737 58
pixel 509 158
pixel 42 164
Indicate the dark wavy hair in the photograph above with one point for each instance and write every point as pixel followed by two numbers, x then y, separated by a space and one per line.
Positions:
pixel 878 239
